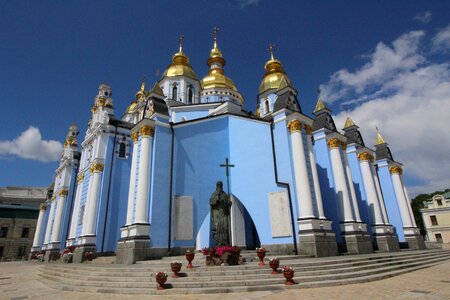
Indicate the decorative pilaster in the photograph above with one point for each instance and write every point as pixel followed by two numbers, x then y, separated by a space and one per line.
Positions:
pixel 364 161
pixel 96 170
pixel 312 160
pixel 37 234
pixel 141 215
pixel 412 233
pixel 48 230
pixel 56 231
pixel 302 185
pixel 131 191
pixel 76 210
pixel 345 207
pixel 351 186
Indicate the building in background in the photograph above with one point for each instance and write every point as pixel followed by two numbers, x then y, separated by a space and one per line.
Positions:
pixel 436 218
pixel 19 210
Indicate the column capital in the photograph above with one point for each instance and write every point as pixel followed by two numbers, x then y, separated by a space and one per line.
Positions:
pixel 333 143
pixel 396 170
pixel 42 206
pixel 344 145
pixel 80 177
pixel 365 156
pixel 146 131
pixel 96 167
pixel 308 129
pixel 294 125
pixel 135 136
pixel 63 193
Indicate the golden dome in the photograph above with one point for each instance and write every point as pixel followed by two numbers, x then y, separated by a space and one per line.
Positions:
pixel 275 77
pixel 216 79
pixel 180 66
pixel 141 93
pixel 131 107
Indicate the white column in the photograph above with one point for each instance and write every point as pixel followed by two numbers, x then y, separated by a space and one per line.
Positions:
pixel 312 160
pixel 131 190
pixel 59 214
pixel 400 195
pixel 92 205
pixel 351 186
pixel 370 189
pixel 345 206
pixel 305 205
pixel 76 208
pixel 37 232
pixel 50 220
pixel 141 215
pixel 408 201
pixel 380 195
pixel 86 203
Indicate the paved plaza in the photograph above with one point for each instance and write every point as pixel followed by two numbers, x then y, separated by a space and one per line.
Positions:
pixel 19 280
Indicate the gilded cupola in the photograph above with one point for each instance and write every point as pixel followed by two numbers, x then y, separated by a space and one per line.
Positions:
pixel 216 80
pixel 180 65
pixel 275 77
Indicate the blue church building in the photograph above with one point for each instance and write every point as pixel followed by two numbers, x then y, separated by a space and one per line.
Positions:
pixel 139 185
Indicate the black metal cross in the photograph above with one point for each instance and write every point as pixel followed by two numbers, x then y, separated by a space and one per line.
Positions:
pixel 227 165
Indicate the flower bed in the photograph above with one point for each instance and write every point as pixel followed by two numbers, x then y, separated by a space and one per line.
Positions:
pixel 223 255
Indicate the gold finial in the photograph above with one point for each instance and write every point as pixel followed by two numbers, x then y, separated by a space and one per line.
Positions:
pixel 348 123
pixel 319 106
pixel 215 30
pixel 380 139
pixel 181 42
pixel 271 46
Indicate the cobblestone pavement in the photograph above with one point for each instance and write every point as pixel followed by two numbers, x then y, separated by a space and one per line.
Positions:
pixel 18 280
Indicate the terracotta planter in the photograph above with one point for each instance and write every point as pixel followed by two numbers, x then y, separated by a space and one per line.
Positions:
pixel 160 280
pixel 289 274
pixel 261 254
pixel 190 257
pixel 88 256
pixel 176 268
pixel 274 264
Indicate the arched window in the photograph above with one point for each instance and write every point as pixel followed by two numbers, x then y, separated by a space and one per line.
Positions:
pixel 122 149
pixel 190 95
pixel 266 106
pixel 174 92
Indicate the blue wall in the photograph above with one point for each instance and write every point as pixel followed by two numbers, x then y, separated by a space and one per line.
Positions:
pixel 325 174
pixel 390 200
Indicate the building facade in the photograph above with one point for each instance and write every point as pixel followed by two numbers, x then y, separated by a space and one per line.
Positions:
pixel 19 210
pixel 436 218
pixel 140 185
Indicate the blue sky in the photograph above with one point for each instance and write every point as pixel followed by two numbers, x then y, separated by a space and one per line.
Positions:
pixel 370 58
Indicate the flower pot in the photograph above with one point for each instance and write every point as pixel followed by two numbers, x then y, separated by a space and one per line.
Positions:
pixel 274 264
pixel 190 257
pixel 160 280
pixel 261 254
pixel 176 268
pixel 289 274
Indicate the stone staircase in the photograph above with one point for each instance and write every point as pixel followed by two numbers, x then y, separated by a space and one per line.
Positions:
pixel 309 272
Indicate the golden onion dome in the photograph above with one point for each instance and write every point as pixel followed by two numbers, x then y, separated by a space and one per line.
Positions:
pixel 275 77
pixel 216 79
pixel 180 65
pixel 131 107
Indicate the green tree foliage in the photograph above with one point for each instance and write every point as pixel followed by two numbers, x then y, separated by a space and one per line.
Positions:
pixel 417 204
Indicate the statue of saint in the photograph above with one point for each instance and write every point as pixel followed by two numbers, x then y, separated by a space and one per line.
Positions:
pixel 220 212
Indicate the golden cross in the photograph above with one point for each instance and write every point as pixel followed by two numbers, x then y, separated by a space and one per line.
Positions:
pixel 215 30
pixel 271 46
pixel 181 42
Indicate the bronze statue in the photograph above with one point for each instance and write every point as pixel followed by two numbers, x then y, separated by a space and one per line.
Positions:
pixel 220 212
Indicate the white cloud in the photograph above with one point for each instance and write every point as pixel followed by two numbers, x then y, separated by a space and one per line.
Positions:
pixel 29 144
pixel 441 41
pixel 423 17
pixel 384 64
pixel 408 98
